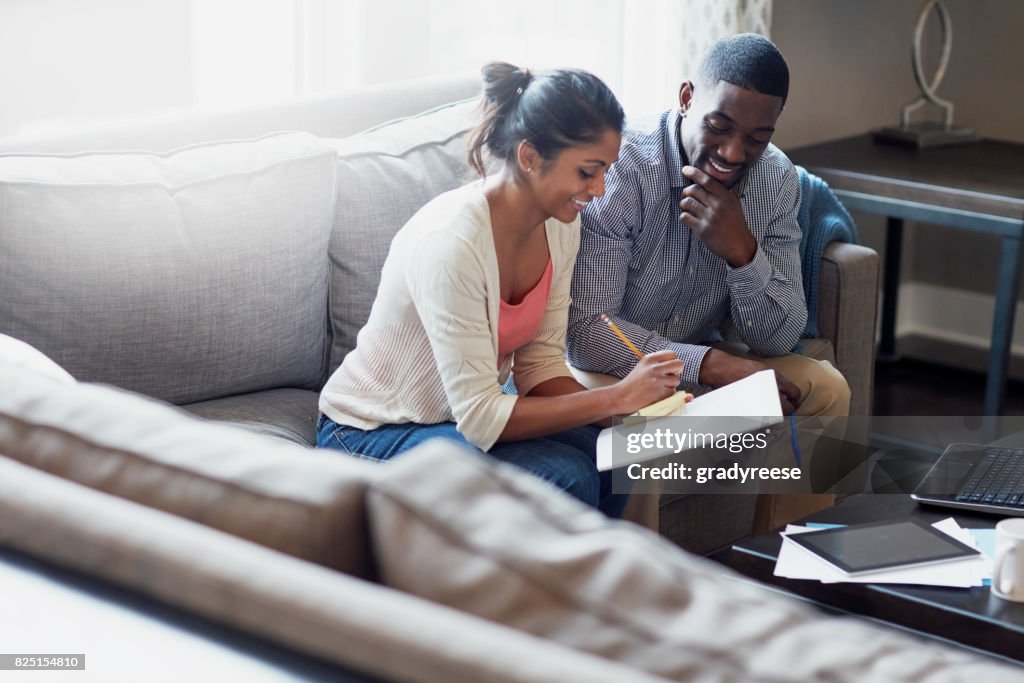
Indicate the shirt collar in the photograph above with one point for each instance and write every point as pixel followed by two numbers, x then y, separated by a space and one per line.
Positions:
pixel 673 152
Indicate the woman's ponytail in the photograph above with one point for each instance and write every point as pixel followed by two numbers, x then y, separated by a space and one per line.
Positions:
pixel 504 86
pixel 551 110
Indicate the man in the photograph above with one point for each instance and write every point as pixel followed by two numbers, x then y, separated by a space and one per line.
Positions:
pixel 695 247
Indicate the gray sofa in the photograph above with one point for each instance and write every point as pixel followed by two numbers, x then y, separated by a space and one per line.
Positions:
pixel 230 279
pixel 241 312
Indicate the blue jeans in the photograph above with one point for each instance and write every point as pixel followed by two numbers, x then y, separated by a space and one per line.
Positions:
pixel 566 459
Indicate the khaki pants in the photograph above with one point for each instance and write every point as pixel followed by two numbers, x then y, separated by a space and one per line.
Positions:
pixel 824 393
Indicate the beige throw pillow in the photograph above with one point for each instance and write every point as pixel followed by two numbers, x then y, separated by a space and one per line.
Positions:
pixel 304 502
pixel 490 540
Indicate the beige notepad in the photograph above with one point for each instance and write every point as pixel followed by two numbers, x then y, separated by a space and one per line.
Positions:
pixel 673 405
pixel 754 398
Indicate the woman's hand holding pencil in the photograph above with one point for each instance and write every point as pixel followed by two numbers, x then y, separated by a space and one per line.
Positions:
pixel 655 376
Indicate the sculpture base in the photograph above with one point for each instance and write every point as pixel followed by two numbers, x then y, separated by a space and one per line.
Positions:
pixel 921 135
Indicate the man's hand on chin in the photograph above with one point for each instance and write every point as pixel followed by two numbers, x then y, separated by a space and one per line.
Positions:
pixel 720 368
pixel 715 215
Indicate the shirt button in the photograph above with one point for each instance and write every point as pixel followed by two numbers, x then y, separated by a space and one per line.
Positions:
pixel 735 286
pixel 690 269
pixel 750 323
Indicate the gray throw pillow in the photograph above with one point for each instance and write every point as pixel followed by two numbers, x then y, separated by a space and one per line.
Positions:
pixel 301 501
pixel 186 276
pixel 385 176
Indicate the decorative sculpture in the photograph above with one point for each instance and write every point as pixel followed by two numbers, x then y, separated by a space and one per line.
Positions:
pixel 928 133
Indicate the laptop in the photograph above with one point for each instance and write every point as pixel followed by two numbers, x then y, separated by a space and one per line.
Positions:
pixel 972 477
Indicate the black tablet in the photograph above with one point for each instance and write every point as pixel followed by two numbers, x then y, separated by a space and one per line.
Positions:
pixel 862 548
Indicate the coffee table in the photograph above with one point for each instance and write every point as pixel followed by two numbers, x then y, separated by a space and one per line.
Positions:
pixel 969 616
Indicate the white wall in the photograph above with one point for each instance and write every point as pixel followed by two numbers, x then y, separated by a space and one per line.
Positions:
pixel 851 72
pixel 850 66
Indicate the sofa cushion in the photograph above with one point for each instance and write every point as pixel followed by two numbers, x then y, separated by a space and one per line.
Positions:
pixel 305 502
pixel 186 276
pixel 384 176
pixel 493 541
pixel 285 413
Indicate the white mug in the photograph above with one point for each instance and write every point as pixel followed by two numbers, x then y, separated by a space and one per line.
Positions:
pixel 1008 569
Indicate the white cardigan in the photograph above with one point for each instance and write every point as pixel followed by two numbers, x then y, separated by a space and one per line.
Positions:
pixel 429 351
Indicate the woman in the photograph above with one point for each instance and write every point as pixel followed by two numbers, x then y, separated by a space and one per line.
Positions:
pixel 477 284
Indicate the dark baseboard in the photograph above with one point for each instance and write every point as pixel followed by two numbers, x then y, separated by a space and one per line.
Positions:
pixel 955 355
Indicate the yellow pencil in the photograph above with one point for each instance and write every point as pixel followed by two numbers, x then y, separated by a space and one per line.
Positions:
pixel 624 338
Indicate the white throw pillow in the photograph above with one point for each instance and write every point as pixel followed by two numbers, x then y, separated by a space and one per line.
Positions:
pixel 21 355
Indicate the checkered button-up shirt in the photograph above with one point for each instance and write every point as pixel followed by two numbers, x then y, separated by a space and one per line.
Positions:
pixel 658 282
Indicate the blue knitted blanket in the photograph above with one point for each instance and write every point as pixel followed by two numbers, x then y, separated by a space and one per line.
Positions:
pixel 823 219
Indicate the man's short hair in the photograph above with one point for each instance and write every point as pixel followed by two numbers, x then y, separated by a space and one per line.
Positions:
pixel 749 61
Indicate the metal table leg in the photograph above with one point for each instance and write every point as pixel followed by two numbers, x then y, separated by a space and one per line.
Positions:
pixel 890 287
pixel 1002 325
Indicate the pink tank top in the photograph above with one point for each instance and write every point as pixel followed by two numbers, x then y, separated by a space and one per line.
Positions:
pixel 518 324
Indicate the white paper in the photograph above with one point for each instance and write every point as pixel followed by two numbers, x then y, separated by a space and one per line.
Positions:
pixel 797 562
pixel 754 396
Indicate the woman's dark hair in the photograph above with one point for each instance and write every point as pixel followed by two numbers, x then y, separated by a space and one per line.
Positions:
pixel 551 110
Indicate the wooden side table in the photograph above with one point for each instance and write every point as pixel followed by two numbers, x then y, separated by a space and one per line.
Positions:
pixel 977 187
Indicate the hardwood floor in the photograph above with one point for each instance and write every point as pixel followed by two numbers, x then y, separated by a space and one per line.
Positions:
pixel 911 387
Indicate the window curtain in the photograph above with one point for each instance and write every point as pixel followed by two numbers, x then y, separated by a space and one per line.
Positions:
pixel 227 53
pixel 642 48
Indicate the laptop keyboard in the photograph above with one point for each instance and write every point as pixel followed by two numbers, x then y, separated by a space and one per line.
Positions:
pixel 997 480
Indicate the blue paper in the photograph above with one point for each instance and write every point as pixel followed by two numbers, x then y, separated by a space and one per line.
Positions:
pixel 986 540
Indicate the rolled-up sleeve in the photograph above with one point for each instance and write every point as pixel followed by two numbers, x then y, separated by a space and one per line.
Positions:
pixel 766 295
pixel 609 227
